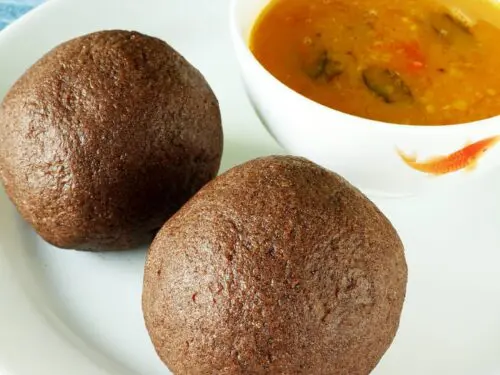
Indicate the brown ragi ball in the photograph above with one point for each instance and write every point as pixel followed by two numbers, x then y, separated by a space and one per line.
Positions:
pixel 105 137
pixel 278 266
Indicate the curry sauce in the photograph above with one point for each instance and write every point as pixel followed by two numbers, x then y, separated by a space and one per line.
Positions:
pixel 403 62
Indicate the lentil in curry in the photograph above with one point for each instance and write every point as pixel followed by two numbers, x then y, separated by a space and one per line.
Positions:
pixel 404 62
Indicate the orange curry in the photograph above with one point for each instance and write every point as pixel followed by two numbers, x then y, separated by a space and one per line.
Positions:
pixel 403 62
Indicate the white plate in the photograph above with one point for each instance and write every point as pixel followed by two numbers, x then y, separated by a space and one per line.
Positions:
pixel 71 313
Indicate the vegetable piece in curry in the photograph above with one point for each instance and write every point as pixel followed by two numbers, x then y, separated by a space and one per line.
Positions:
pixel 403 62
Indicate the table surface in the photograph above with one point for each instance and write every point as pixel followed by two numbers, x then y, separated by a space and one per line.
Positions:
pixel 13 9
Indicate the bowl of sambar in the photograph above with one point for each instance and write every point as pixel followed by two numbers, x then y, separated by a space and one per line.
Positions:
pixel 386 92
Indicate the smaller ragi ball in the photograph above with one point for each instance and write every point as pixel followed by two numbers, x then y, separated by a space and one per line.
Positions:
pixel 277 266
pixel 105 137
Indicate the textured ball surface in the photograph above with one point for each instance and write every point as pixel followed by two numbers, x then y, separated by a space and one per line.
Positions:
pixel 277 266
pixel 105 137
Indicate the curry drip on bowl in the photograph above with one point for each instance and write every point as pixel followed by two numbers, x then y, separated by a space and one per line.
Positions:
pixel 404 62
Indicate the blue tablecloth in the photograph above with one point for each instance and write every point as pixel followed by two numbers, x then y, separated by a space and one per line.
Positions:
pixel 12 9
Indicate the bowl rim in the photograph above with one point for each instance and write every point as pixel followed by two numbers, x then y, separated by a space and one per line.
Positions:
pixel 238 39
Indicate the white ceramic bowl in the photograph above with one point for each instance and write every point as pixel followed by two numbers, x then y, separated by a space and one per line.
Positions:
pixel 362 150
